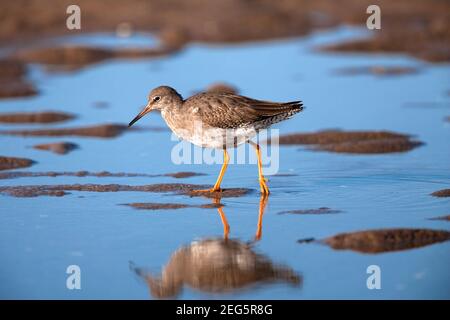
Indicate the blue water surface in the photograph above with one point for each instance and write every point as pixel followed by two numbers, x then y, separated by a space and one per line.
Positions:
pixel 40 237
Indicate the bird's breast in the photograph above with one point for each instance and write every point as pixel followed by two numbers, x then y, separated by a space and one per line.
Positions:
pixel 191 128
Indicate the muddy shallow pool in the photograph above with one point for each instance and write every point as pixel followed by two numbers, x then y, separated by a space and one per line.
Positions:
pixel 155 251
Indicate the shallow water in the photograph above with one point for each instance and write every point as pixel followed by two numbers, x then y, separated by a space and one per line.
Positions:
pixel 40 237
pixel 104 40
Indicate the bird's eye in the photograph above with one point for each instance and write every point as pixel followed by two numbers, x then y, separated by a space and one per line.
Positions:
pixel 156 99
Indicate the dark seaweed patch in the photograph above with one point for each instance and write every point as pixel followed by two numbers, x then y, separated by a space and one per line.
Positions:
pixel 386 240
pixel 7 163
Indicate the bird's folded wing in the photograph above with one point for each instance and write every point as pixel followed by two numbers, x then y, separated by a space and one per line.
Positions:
pixel 229 111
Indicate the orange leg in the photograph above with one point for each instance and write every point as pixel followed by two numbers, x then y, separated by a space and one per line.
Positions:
pixel 226 160
pixel 262 207
pixel 226 226
pixel 262 180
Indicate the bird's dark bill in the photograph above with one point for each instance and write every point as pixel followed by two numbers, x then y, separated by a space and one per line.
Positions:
pixel 140 115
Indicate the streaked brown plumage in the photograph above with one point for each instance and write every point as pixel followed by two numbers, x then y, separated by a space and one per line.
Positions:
pixel 218 119
pixel 230 111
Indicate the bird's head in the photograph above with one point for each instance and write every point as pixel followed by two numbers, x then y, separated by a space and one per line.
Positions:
pixel 159 99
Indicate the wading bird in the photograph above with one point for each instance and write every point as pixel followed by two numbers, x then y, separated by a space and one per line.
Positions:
pixel 218 120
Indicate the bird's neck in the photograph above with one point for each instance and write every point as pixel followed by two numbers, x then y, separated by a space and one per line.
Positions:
pixel 174 106
pixel 172 112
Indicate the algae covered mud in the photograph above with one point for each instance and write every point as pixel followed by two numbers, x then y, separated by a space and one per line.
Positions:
pixel 363 179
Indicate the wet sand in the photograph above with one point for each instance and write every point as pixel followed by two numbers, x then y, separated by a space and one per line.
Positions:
pixel 322 210
pixel 76 57
pixel 97 131
pixel 170 206
pixel 26 174
pixel 417 27
pixel 412 27
pixel 371 146
pixel 377 71
pixel 179 188
pixel 13 82
pixel 57 147
pixel 225 193
pixel 7 163
pixel 441 193
pixel 445 218
pixel 35 117
pixel 183 174
pixel 37 190
pixel 362 142
pixel 386 240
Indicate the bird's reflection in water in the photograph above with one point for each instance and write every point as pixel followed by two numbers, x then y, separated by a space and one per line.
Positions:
pixel 218 265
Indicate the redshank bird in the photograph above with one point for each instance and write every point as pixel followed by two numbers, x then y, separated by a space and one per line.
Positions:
pixel 218 120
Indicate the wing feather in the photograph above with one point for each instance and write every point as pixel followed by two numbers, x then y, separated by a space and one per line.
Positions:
pixel 227 111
